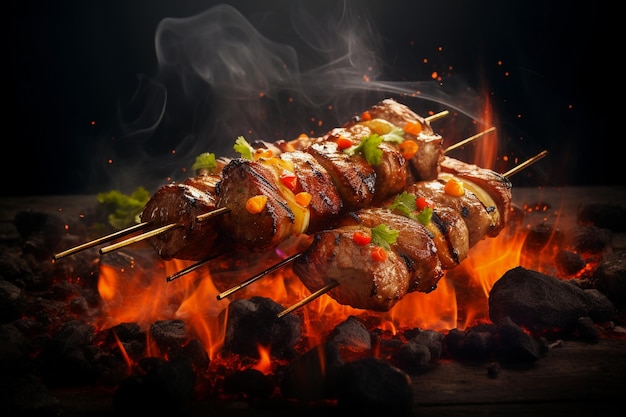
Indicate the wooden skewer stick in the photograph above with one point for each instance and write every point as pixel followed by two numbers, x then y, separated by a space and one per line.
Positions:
pixel 259 276
pixel 100 240
pixel 332 284
pixel 525 164
pixel 137 238
pixel 437 116
pixel 212 213
pixel 191 268
pixel 468 140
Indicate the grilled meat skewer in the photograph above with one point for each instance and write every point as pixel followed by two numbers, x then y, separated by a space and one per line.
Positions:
pixel 349 168
pixel 336 182
pixel 422 251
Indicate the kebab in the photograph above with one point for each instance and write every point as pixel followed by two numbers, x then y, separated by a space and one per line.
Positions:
pixel 379 254
pixel 181 211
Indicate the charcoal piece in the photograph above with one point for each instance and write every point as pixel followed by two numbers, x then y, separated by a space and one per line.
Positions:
pixel 432 340
pixel 15 351
pixel 351 334
pixel 605 216
pixel 515 346
pixel 587 330
pixel 312 375
pixel 169 335
pixel 373 387
pixel 412 356
pixel 542 303
pixel 540 236
pixel 590 240
pixel 26 395
pixel 66 360
pixel 163 388
pixel 127 332
pixel 255 322
pixel 568 262
pixel 472 344
pixel 250 383
pixel 196 353
pixel 610 278
pixel 11 301
pixel 16 270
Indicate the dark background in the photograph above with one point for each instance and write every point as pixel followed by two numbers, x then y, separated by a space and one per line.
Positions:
pixel 549 70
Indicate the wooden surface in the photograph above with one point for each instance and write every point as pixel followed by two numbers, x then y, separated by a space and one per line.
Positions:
pixel 574 379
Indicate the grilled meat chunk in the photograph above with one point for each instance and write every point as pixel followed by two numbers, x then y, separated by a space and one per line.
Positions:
pixel 414 245
pixel 363 282
pixel 242 179
pixel 181 204
pixel 352 176
pixel 424 165
pixel 313 178
pixel 478 218
pixel 489 186
pixel 391 172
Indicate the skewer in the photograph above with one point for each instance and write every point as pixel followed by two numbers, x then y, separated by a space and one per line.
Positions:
pixel 259 276
pixel 212 213
pixel 524 164
pixel 334 283
pixel 137 238
pixel 468 140
pixel 192 268
pixel 436 116
pixel 100 240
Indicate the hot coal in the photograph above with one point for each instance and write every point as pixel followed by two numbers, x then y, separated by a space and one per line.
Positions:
pixel 609 277
pixel 372 387
pixel 543 304
pixel 312 376
pixel 255 322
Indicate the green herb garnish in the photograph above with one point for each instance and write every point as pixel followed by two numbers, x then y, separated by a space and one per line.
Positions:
pixel 396 135
pixel 406 205
pixel 369 149
pixel 124 209
pixel 205 161
pixel 243 147
pixel 383 235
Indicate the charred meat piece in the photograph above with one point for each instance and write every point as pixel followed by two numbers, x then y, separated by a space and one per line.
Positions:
pixel 414 245
pixel 352 176
pixel 181 204
pixel 424 165
pixel 391 172
pixel 489 186
pixel 477 217
pixel 242 179
pixel 450 235
pixel 326 204
pixel 363 282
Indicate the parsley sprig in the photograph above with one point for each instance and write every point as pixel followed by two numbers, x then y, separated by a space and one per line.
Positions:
pixel 405 204
pixel 383 235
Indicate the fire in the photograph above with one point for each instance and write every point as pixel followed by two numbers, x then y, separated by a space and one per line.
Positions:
pixel 143 295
